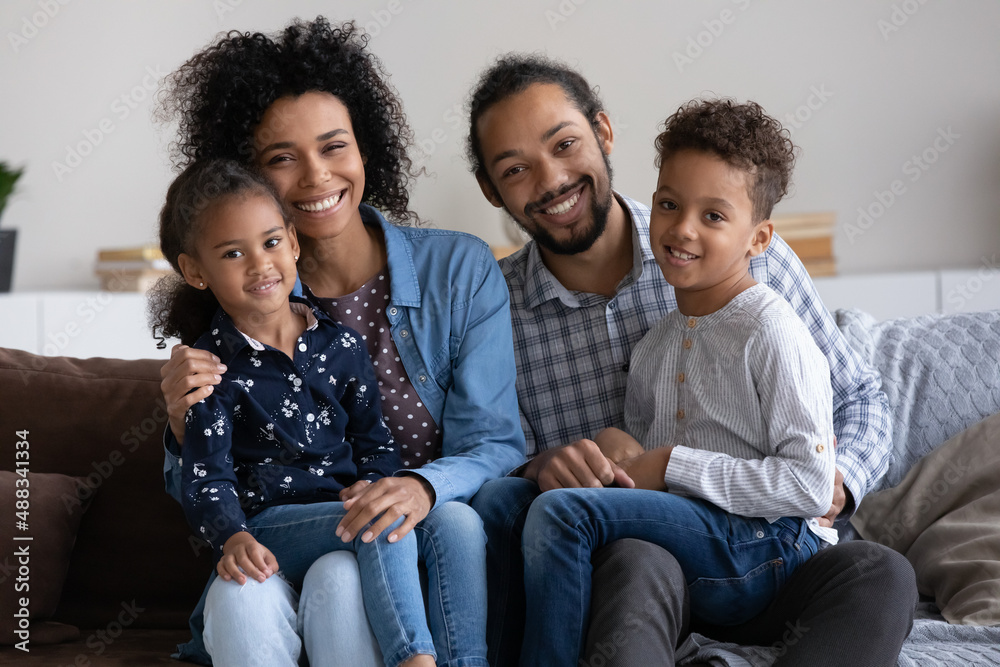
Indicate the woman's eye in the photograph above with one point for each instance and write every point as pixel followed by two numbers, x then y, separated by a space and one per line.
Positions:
pixel 277 159
pixel 333 147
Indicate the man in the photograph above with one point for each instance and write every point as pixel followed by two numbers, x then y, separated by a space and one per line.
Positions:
pixel 583 292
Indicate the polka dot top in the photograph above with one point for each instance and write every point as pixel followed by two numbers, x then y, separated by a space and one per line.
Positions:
pixel 412 426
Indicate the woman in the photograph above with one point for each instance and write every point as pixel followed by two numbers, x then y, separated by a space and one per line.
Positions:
pixel 311 110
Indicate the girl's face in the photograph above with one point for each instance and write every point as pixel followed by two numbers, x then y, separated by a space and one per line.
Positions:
pixel 307 148
pixel 245 253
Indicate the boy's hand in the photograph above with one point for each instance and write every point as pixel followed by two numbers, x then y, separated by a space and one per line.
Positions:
pixel 354 490
pixel 649 468
pixel 839 497
pixel 243 551
pixel 187 369
pixel 618 445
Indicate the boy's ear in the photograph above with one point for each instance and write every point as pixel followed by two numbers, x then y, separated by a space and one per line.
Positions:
pixel 761 239
pixel 191 271
pixel 488 189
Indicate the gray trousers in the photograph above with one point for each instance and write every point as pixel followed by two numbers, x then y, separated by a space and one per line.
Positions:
pixel 850 604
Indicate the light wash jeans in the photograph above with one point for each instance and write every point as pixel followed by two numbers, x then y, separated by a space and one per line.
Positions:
pixel 734 566
pixel 329 617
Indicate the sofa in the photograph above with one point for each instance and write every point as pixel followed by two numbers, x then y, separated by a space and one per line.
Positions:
pixel 113 572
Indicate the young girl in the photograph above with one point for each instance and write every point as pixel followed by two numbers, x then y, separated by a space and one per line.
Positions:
pixel 295 428
pixel 311 108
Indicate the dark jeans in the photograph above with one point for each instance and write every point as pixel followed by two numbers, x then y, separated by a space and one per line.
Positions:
pixel 850 604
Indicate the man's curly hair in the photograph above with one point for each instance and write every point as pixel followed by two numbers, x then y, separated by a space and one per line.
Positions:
pixel 220 95
pixel 742 135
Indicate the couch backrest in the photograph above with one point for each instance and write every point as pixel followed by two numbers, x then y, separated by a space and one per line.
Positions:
pixel 941 374
pixel 103 419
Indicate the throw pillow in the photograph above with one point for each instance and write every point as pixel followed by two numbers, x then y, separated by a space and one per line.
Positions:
pixel 53 512
pixel 945 518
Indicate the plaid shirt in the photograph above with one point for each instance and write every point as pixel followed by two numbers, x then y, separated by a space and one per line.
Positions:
pixel 573 351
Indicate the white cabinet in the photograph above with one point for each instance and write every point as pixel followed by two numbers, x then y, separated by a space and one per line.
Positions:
pixel 78 324
pixel 885 296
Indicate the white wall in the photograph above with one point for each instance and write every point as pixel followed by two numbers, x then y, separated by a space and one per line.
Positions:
pixel 879 97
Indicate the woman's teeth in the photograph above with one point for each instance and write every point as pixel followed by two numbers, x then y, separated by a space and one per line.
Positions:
pixel 565 206
pixel 319 206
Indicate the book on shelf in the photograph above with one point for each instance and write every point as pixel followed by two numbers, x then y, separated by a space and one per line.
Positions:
pixel 144 253
pixel 131 269
pixel 810 236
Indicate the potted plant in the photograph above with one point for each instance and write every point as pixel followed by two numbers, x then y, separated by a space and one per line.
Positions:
pixel 8 177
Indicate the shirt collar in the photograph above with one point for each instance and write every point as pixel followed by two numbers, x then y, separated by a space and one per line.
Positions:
pixel 228 340
pixel 404 287
pixel 541 286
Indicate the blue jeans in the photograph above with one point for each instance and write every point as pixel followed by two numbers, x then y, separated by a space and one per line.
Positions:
pixel 330 618
pixel 734 566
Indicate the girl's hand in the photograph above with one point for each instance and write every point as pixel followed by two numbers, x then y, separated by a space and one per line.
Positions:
pixel 387 499
pixel 354 490
pixel 187 369
pixel 243 551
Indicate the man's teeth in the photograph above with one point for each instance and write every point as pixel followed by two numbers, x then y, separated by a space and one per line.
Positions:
pixel 565 206
pixel 317 206
pixel 682 255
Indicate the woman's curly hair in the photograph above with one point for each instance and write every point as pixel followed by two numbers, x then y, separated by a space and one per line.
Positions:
pixel 220 95
pixel 742 135
pixel 175 308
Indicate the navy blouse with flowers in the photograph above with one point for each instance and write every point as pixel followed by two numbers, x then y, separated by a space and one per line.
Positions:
pixel 280 430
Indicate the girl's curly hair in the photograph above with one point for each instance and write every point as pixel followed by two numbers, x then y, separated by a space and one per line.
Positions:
pixel 176 309
pixel 220 95
pixel 742 135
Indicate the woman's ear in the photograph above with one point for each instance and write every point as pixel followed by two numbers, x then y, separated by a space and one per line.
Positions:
pixel 763 231
pixel 191 271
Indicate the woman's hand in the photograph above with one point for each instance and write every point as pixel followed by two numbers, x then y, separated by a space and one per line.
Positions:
pixel 243 551
pixel 187 369
pixel 387 499
pixel 354 490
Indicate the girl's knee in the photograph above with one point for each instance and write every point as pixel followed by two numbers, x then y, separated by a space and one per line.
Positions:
pixel 228 601
pixel 332 575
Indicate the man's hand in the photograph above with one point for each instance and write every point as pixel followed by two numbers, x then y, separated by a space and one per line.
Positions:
pixel 387 499
pixel 839 501
pixel 187 369
pixel 578 465
pixel 618 445
pixel 243 551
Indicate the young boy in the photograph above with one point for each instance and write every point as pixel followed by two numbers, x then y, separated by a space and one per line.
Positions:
pixel 728 404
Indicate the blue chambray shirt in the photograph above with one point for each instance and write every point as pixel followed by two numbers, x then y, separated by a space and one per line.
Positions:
pixel 450 319
pixel 281 430
pixel 573 351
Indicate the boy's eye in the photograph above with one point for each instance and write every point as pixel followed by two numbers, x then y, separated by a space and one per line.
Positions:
pixel 668 205
pixel 714 217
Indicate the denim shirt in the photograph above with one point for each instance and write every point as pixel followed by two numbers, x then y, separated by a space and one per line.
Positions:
pixel 450 319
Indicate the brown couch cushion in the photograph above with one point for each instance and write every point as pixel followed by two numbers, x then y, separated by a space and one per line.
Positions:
pixel 103 419
pixel 35 547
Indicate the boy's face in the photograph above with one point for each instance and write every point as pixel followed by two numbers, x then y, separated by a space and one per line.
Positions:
pixel 548 168
pixel 245 253
pixel 701 226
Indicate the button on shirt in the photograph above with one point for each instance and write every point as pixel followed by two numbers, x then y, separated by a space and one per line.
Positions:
pixel 280 430
pixel 572 350
pixel 746 420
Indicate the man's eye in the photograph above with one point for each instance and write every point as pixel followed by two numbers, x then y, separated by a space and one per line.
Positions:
pixel 513 171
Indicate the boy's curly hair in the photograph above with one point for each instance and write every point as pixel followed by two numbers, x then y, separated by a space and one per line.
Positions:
pixel 742 135
pixel 220 95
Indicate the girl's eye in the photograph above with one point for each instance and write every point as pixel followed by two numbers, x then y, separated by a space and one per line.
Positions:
pixel 233 254
pixel 272 242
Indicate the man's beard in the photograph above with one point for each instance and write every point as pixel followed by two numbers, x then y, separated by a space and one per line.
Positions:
pixel 600 209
